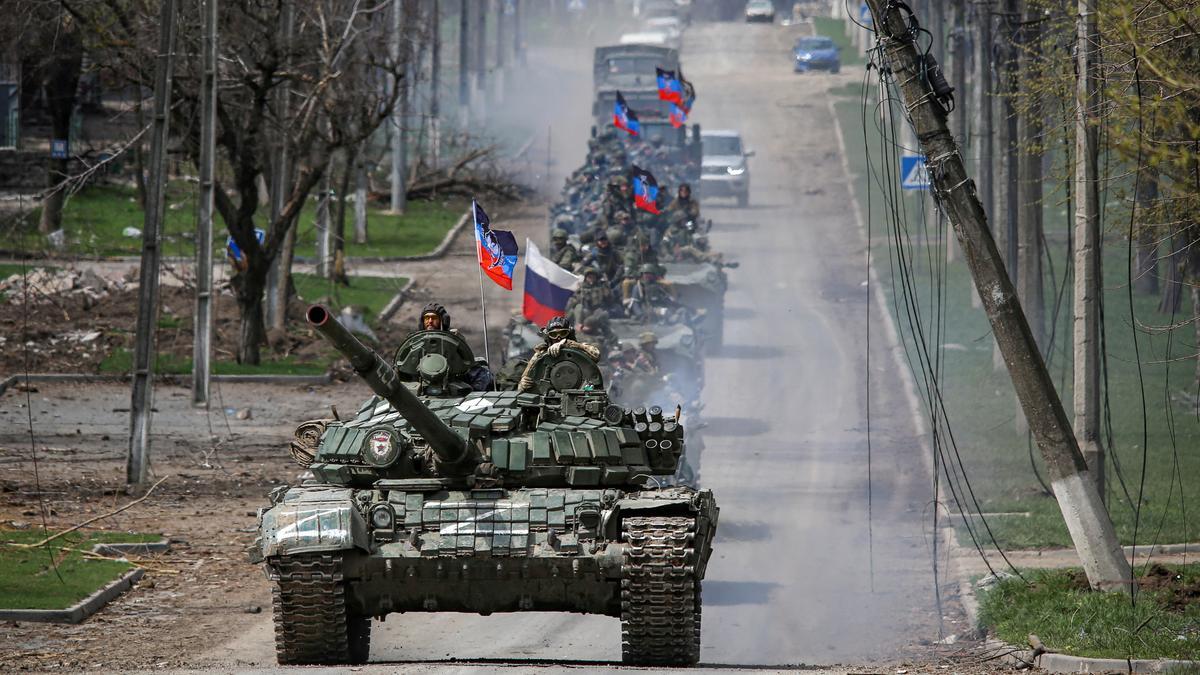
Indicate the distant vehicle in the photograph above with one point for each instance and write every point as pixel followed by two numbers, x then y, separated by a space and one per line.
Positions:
pixel 657 39
pixel 629 68
pixel 724 171
pixel 816 53
pixel 671 25
pixel 652 9
pixel 760 10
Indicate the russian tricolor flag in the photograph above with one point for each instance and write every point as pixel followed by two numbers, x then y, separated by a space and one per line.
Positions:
pixel 548 287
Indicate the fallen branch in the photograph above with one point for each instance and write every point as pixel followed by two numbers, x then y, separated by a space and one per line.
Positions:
pixel 89 521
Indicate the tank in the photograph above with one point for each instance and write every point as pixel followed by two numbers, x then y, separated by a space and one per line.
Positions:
pixel 496 501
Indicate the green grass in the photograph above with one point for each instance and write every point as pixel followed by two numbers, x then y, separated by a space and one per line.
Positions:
pixel 370 293
pixel 95 218
pixel 28 581
pixel 836 29
pixel 121 361
pixel 1068 618
pixel 981 403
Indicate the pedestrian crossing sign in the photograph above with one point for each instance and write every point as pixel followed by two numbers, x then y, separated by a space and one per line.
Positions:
pixel 913 174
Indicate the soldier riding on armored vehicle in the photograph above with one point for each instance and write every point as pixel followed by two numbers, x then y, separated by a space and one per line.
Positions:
pixel 497 501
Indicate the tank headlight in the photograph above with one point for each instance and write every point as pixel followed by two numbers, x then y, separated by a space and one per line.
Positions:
pixel 735 170
pixel 382 517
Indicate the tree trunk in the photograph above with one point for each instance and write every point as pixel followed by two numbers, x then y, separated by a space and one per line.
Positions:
pixel 1145 278
pixel 60 81
pixel 1029 169
pixel 360 195
pixel 139 155
pixel 339 219
pixel 1172 289
pixel 253 332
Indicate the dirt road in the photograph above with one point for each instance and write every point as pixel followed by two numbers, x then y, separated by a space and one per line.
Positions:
pixel 803 572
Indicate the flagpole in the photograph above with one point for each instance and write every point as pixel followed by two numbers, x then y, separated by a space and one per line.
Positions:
pixel 482 298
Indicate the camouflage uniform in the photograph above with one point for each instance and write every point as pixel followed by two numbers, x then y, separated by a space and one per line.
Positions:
pixel 604 257
pixel 596 330
pixel 562 253
pixel 684 206
pixel 557 335
pixel 592 295
pixel 646 359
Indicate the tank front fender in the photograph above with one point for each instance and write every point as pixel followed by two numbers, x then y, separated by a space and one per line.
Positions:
pixel 311 527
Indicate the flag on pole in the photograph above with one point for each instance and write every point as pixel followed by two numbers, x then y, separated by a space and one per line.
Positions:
pixel 548 287
pixel 624 118
pixel 687 93
pixel 497 249
pixel 678 116
pixel 669 88
pixel 645 190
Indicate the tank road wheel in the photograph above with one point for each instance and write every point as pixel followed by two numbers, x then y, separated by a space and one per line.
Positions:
pixel 660 595
pixel 312 622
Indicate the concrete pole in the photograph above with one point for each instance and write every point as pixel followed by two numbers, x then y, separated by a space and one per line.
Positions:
pixel 399 128
pixel 518 33
pixel 498 75
pixel 323 226
pixel 137 468
pixel 1087 520
pixel 203 320
pixel 481 60
pixel 464 62
pixel 435 83
pixel 1087 247
pixel 280 273
pixel 1029 184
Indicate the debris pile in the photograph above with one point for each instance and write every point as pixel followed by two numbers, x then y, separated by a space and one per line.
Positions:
pixel 40 286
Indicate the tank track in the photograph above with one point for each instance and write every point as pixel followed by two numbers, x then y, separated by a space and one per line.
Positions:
pixel 312 622
pixel 660 594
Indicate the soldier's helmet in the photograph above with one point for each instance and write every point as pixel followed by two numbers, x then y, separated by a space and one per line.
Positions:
pixel 648 268
pixel 563 220
pixel 647 339
pixel 558 234
pixel 596 322
pixel 559 328
pixel 618 181
pixel 621 217
pixel 616 236
pixel 589 270
pixel 701 242
pixel 434 309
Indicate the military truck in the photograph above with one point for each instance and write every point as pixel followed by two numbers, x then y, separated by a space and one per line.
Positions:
pixel 497 501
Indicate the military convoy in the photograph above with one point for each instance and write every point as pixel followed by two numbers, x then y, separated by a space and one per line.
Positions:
pixel 543 487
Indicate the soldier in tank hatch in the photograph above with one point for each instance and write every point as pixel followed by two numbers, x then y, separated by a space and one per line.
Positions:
pixel 557 335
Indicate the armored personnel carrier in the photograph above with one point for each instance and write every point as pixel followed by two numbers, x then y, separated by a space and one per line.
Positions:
pixel 496 501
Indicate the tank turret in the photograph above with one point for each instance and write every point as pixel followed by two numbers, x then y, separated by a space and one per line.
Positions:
pixel 454 455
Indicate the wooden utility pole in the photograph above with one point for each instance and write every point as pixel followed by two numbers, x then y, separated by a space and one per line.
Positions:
pixel 1087 245
pixel 1087 521
pixel 400 52
pixel 141 405
pixel 1029 179
pixel 203 321
pixel 279 275
pixel 464 61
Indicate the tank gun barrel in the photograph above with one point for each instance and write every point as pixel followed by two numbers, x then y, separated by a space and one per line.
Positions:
pixel 452 451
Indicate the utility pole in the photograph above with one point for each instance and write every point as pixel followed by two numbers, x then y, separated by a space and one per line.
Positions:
pixel 481 74
pixel 323 226
pixel 958 73
pixel 987 91
pixel 1012 170
pixel 501 46
pixel 518 34
pixel 435 83
pixel 1029 183
pixel 399 108
pixel 360 194
pixel 141 405
pixel 464 62
pixel 279 275
pixel 1083 511
pixel 1087 246
pixel 203 321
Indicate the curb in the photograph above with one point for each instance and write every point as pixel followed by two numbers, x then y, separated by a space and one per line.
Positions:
pixel 1053 662
pixel 89 378
pixel 397 300
pixel 81 610
pixel 133 548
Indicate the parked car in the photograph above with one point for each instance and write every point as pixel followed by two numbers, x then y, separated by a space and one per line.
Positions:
pixel 816 53
pixel 760 10
pixel 724 171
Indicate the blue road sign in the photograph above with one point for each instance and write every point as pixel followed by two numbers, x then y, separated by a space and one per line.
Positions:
pixel 58 148
pixel 864 15
pixel 913 174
